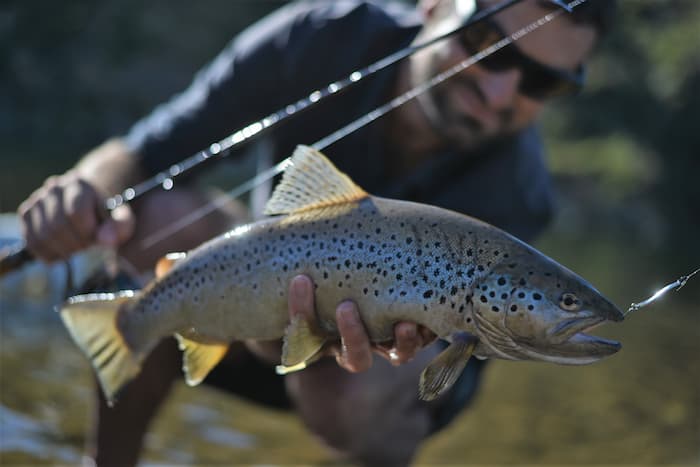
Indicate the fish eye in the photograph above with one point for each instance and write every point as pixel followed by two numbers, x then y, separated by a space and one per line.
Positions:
pixel 569 302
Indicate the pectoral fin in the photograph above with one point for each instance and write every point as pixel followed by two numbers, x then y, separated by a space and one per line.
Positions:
pixel 302 345
pixel 444 370
pixel 199 358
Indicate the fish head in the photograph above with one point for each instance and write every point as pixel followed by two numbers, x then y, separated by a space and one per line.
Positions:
pixel 532 308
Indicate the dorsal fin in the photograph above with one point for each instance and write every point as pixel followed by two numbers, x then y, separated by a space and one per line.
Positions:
pixel 312 182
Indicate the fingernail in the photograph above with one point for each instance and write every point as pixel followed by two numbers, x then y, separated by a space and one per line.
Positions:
pixel 345 311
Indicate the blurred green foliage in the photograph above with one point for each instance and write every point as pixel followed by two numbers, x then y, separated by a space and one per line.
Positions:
pixel 634 132
pixel 625 151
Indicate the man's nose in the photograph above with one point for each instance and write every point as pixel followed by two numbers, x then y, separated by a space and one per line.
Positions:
pixel 499 89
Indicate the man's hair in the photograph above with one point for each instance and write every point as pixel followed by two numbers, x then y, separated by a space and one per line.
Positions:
pixel 600 14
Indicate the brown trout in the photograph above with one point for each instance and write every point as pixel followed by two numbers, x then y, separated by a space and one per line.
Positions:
pixel 479 288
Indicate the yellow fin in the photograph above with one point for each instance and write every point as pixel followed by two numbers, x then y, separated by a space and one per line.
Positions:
pixel 92 322
pixel 283 370
pixel 311 182
pixel 167 262
pixel 443 371
pixel 199 358
pixel 301 345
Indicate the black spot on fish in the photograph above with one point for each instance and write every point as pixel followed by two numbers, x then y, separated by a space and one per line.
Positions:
pixel 495 309
pixel 537 296
pixel 483 299
pixel 514 308
pixel 521 294
pixel 492 294
pixel 427 294
pixel 530 307
pixel 501 281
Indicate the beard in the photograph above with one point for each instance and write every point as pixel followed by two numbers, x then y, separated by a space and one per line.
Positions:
pixel 455 125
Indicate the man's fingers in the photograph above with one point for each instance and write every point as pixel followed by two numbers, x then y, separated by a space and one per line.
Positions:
pixel 407 342
pixel 118 228
pixel 356 353
pixel 79 200
pixel 301 298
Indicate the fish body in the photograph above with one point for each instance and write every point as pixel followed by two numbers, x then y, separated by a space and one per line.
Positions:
pixel 472 284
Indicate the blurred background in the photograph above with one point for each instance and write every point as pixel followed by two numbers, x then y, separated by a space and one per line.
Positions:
pixel 625 155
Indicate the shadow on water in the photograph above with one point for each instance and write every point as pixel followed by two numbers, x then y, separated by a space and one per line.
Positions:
pixel 641 406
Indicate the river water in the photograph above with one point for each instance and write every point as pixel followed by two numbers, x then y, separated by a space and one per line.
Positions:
pixel 641 406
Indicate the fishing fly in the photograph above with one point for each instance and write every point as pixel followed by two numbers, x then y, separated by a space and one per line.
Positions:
pixel 675 285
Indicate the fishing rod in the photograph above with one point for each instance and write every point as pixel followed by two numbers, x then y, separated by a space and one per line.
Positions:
pixel 16 257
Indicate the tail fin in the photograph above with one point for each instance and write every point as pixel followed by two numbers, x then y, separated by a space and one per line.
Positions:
pixel 92 322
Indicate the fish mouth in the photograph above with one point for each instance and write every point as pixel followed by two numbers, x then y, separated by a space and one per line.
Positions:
pixel 573 344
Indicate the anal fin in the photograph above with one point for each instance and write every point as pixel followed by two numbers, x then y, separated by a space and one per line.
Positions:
pixel 199 358
pixel 443 371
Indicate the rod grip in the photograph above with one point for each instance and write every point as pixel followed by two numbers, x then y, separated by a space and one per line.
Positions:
pixel 14 258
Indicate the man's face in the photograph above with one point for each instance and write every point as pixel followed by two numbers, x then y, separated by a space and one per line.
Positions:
pixel 481 103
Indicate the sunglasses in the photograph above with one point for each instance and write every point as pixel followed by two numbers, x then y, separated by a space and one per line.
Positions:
pixel 538 81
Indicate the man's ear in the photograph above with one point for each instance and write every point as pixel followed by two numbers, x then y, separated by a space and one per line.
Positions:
pixel 428 7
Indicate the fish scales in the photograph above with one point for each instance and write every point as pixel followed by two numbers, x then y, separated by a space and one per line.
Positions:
pixel 397 260
pixel 475 286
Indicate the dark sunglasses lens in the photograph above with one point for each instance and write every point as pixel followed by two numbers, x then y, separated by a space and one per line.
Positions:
pixel 538 81
pixel 546 83
pixel 479 36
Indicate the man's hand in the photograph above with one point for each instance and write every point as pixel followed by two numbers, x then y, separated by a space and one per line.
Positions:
pixel 66 215
pixel 355 351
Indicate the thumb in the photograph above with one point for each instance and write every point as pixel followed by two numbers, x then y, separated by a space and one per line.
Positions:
pixel 118 228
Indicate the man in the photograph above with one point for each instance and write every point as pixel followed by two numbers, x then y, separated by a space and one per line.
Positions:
pixel 468 145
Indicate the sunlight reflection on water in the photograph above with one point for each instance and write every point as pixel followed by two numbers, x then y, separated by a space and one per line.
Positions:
pixel 23 434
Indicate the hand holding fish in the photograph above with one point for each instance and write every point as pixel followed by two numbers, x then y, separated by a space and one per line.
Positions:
pixel 354 351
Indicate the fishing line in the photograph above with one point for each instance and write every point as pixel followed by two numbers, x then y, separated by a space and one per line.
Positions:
pixel 353 126
pixel 221 148
pixel 16 256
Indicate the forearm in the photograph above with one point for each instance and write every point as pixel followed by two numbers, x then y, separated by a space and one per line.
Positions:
pixel 110 167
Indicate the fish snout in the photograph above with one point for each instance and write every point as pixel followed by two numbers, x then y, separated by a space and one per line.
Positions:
pixel 606 309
